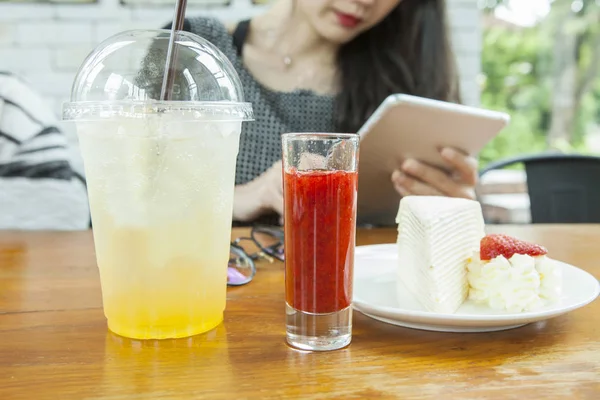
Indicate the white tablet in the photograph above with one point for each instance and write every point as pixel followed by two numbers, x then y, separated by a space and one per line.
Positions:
pixel 406 126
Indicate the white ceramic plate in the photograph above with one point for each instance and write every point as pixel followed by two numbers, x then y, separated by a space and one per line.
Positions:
pixel 375 296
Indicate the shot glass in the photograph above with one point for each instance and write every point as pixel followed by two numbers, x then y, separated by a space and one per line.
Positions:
pixel 320 180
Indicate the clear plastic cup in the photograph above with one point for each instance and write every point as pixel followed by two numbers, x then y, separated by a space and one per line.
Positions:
pixel 160 177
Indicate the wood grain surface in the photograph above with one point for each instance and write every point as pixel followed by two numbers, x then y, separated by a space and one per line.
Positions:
pixel 54 343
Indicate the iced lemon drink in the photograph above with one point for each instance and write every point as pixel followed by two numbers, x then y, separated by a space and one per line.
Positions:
pixel 160 170
pixel 161 194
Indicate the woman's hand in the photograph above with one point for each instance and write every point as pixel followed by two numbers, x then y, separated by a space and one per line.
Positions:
pixel 260 196
pixel 417 178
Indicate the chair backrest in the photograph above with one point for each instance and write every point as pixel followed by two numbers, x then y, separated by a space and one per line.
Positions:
pixel 563 188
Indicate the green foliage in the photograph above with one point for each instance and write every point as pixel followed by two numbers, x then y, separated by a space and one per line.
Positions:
pixel 517 79
pixel 515 64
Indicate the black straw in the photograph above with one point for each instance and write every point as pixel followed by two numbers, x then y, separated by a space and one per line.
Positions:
pixel 169 77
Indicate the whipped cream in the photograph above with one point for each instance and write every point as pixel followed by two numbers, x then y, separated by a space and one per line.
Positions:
pixel 521 283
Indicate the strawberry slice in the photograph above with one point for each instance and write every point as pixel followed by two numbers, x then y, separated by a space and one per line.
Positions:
pixel 494 245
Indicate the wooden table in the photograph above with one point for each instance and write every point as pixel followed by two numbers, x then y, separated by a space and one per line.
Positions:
pixel 54 343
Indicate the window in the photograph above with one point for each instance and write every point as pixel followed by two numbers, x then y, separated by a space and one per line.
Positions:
pixel 50 1
pixel 541 64
pixel 171 3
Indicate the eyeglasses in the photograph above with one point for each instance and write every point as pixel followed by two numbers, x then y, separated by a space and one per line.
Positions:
pixel 269 241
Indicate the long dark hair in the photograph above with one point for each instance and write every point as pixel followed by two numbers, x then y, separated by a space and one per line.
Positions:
pixel 407 52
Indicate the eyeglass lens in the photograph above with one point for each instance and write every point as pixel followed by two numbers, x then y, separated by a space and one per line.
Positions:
pixel 241 268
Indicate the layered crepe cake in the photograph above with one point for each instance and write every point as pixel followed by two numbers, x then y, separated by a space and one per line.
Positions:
pixel 444 257
pixel 436 238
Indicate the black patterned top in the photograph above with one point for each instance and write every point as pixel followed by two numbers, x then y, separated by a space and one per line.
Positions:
pixel 275 112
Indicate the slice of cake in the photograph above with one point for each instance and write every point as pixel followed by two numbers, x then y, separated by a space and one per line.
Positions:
pixel 436 238
pixel 512 275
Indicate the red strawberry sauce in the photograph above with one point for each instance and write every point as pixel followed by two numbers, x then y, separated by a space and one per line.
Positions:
pixel 320 230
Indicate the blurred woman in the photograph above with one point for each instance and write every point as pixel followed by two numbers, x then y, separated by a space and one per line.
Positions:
pixel 325 66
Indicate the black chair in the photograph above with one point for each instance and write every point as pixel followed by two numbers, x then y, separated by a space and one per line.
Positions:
pixel 563 188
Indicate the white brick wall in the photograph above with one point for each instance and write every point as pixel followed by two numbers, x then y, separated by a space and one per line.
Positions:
pixel 465 22
pixel 47 42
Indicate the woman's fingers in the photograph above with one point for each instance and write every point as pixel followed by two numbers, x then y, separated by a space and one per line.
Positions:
pixel 466 167
pixel 278 202
pixel 421 179
pixel 407 185
pixel 434 177
pixel 276 186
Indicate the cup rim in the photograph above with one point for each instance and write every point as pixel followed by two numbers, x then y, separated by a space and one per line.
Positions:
pixel 319 136
pixel 102 109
